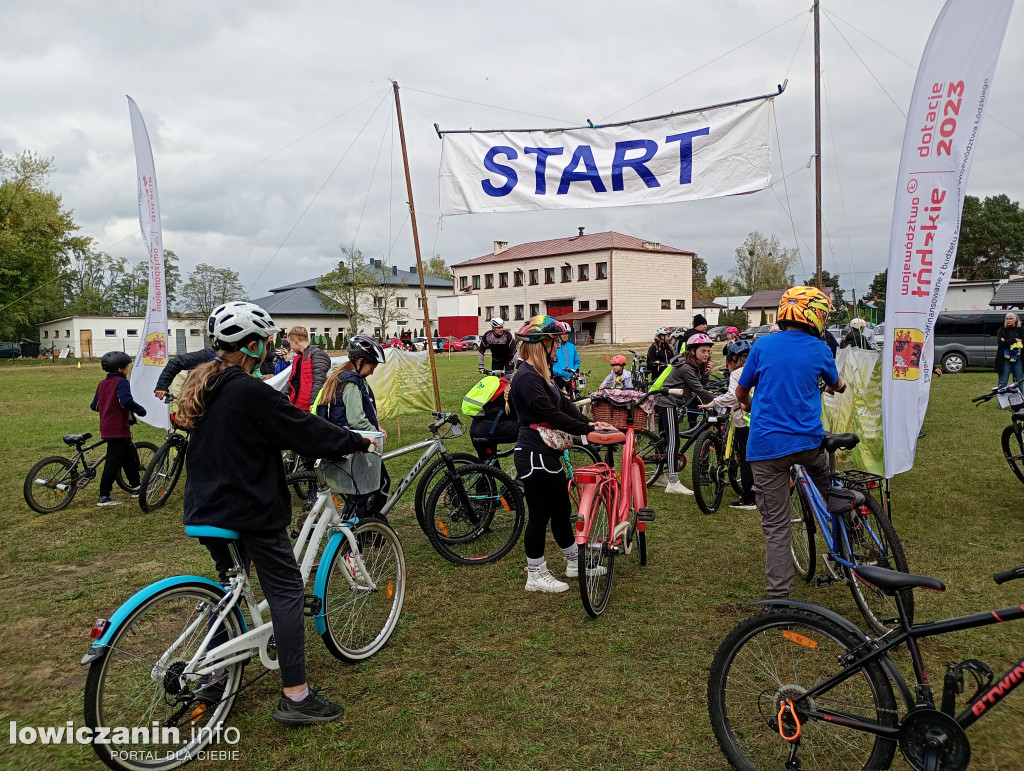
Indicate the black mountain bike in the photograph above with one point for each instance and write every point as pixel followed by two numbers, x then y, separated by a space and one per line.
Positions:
pixel 1013 435
pixel 164 471
pixel 52 483
pixel 638 372
pixel 798 683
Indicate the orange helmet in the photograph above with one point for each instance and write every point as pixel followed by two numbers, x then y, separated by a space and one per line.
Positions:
pixel 619 359
pixel 805 305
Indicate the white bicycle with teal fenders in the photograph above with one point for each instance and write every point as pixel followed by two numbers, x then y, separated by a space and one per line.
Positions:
pixel 172 657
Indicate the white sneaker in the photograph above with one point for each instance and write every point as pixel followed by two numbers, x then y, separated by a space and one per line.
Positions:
pixel 539 579
pixel 572 569
pixel 679 488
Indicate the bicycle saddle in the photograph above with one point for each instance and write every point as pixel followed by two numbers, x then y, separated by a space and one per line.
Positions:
pixel 833 442
pixel 891 581
pixel 606 437
pixel 73 439
pixel 209 531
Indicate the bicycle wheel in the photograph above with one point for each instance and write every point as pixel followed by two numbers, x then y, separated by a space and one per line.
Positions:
pixel 734 473
pixel 871 539
pixel 578 456
pixel 651 449
pixel 709 472
pixel 801 523
pixel 51 484
pixel 779 654
pixel 597 560
pixel 138 682
pixel 145 451
pixel 162 474
pixel 487 528
pixel 302 483
pixel 1013 451
pixel 431 477
pixel 360 620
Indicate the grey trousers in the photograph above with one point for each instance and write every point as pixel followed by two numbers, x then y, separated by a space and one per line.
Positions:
pixel 772 494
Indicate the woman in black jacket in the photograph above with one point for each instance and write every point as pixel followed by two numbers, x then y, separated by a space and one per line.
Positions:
pixel 1008 355
pixel 236 480
pixel 538 403
pixel 660 352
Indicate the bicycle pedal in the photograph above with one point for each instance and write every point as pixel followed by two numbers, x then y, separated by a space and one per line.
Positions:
pixel 821 581
pixel 312 605
pixel 645 515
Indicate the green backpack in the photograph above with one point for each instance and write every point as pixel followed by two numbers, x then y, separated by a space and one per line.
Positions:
pixel 486 390
pixel 662 377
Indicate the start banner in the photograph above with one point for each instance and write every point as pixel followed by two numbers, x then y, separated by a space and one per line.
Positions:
pixel 681 157
pixel 946 110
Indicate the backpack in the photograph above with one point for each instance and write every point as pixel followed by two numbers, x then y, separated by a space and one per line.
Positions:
pixel 486 390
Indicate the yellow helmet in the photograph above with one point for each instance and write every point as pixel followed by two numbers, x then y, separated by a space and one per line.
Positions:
pixel 805 305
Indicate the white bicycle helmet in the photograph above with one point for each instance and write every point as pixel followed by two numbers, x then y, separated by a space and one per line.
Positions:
pixel 497 322
pixel 663 331
pixel 233 322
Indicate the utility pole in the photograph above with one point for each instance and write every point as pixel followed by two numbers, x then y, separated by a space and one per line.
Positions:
pixel 817 144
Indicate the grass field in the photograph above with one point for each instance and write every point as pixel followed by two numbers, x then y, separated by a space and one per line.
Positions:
pixel 480 675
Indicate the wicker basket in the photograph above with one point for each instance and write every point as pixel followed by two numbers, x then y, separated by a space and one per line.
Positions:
pixel 617 415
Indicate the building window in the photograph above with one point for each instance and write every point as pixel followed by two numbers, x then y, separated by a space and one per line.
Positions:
pixel 476 282
pixel 463 282
pixel 490 311
pixel 312 330
pixel 566 273
pixel 549 275
pixel 46 334
pixel 419 301
pixel 67 333
pixel 503 280
pixel 133 333
pixel 378 302
pixel 503 311
pixel 666 305
pixel 195 332
pixel 517 278
pixel 489 281
pixel 680 305
pixel 399 302
pixel 602 305
pixel 534 277
pixel 584 305
pixel 534 309
pixel 583 273
pixel 110 333
pixel 602 270
pixel 519 312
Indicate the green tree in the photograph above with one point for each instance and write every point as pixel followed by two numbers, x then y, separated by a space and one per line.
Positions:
pixel 93 283
pixel 131 293
pixel 736 318
pixel 700 278
pixel 437 268
pixel 36 237
pixel 388 296
pixel 827 279
pixel 207 287
pixel 719 286
pixel 345 287
pixel 991 238
pixel 762 263
pixel 876 292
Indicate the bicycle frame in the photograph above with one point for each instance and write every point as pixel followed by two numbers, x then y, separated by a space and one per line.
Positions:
pixel 434 446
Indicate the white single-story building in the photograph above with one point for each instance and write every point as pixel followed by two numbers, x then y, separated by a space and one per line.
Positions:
pixel 88 336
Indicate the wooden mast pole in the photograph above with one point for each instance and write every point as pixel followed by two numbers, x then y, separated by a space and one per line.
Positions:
pixel 416 244
pixel 817 144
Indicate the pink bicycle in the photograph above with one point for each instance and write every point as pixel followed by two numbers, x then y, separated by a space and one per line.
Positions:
pixel 612 515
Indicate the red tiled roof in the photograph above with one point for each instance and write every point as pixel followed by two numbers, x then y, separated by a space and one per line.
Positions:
pixel 769 298
pixel 586 243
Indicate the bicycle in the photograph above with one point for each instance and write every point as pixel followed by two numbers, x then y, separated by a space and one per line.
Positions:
pixel 1012 439
pixel 654 447
pixel 173 655
pixel 856 531
pixel 612 512
pixel 713 456
pixel 799 677
pixel 638 372
pixel 52 483
pixel 164 470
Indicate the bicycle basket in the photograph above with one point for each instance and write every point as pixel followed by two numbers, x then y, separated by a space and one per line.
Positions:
pixel 606 408
pixel 354 475
pixel 1010 399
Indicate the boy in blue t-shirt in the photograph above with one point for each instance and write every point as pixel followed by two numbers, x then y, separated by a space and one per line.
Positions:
pixel 786 418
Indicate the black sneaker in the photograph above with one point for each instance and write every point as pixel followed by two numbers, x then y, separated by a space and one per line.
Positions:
pixel 310 711
pixel 740 503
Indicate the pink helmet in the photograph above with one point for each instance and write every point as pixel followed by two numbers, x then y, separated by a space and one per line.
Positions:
pixel 732 331
pixel 698 340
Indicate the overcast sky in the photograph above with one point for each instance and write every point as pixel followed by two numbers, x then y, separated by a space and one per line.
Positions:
pixel 273 134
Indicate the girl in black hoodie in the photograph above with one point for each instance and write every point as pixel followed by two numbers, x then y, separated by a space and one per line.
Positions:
pixel 236 480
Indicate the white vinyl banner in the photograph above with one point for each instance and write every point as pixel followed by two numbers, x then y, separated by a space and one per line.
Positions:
pixel 704 154
pixel 151 357
pixel 953 85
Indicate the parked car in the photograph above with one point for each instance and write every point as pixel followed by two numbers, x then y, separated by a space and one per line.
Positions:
pixel 473 340
pixel 838 333
pixel 753 333
pixel 967 339
pixel 10 351
pixel 420 343
pixel 878 336
pixel 718 334
pixel 453 344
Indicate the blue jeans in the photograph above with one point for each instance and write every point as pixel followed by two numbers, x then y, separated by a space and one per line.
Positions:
pixel 1016 367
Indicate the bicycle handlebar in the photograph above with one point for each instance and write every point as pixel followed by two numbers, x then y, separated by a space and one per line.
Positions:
pixel 1007 389
pixel 1009 575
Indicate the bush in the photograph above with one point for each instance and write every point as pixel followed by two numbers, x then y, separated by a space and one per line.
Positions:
pixel 736 318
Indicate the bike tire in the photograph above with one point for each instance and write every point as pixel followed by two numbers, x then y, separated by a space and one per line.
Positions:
pixel 802 528
pixel 1013 451
pixel 757 666
pixel 120 683
pixel 709 472
pixel 596 560
pixel 431 477
pixel 145 452
pixel 359 620
pixel 578 456
pixel 303 484
pixel 490 527
pixel 652 451
pixel 162 474
pixel 878 609
pixel 51 484
pixel 735 478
